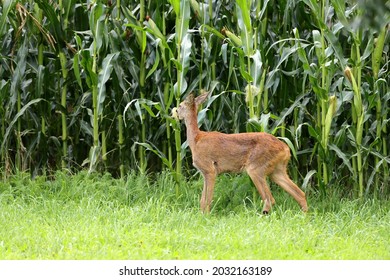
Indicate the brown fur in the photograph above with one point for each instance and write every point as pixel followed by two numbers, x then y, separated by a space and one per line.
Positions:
pixel 259 154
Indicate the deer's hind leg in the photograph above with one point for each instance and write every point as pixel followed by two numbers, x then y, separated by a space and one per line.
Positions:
pixel 258 178
pixel 280 177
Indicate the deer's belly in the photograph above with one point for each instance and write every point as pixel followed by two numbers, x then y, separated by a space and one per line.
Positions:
pixel 220 165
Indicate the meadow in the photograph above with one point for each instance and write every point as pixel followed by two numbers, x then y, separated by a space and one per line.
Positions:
pixel 92 216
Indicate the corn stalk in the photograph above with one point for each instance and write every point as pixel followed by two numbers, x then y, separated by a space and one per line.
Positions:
pixel 182 61
pixel 380 116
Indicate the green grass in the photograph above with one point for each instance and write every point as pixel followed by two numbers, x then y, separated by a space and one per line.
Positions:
pixel 98 217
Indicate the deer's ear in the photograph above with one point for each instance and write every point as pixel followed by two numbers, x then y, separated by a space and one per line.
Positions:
pixel 201 98
pixel 190 99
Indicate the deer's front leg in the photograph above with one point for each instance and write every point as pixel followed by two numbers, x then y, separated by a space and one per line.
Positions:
pixel 208 191
pixel 262 187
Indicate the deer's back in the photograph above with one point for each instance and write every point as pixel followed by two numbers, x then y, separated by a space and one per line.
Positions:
pixel 234 152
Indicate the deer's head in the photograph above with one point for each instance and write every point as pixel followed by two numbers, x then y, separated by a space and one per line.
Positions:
pixel 189 106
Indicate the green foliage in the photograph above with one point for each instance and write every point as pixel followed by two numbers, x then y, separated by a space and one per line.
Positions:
pixel 92 84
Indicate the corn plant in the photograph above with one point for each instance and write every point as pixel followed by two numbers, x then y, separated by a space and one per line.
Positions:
pixel 92 84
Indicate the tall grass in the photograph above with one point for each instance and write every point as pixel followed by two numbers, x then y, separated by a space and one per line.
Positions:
pixel 88 216
pixel 91 84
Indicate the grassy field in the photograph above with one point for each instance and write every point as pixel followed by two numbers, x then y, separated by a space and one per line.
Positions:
pixel 97 217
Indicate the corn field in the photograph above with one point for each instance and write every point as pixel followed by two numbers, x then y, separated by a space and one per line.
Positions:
pixel 91 84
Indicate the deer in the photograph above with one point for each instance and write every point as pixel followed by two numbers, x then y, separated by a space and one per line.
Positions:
pixel 260 154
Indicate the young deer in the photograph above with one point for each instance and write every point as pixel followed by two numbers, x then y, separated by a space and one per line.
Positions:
pixel 259 154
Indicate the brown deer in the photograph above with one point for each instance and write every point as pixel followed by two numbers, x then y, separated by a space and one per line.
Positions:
pixel 259 154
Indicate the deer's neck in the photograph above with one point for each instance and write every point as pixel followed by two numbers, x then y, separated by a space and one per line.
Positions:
pixel 192 129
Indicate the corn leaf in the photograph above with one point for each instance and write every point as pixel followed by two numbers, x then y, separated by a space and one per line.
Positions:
pixel 104 75
pixel 15 119
pixel 8 5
